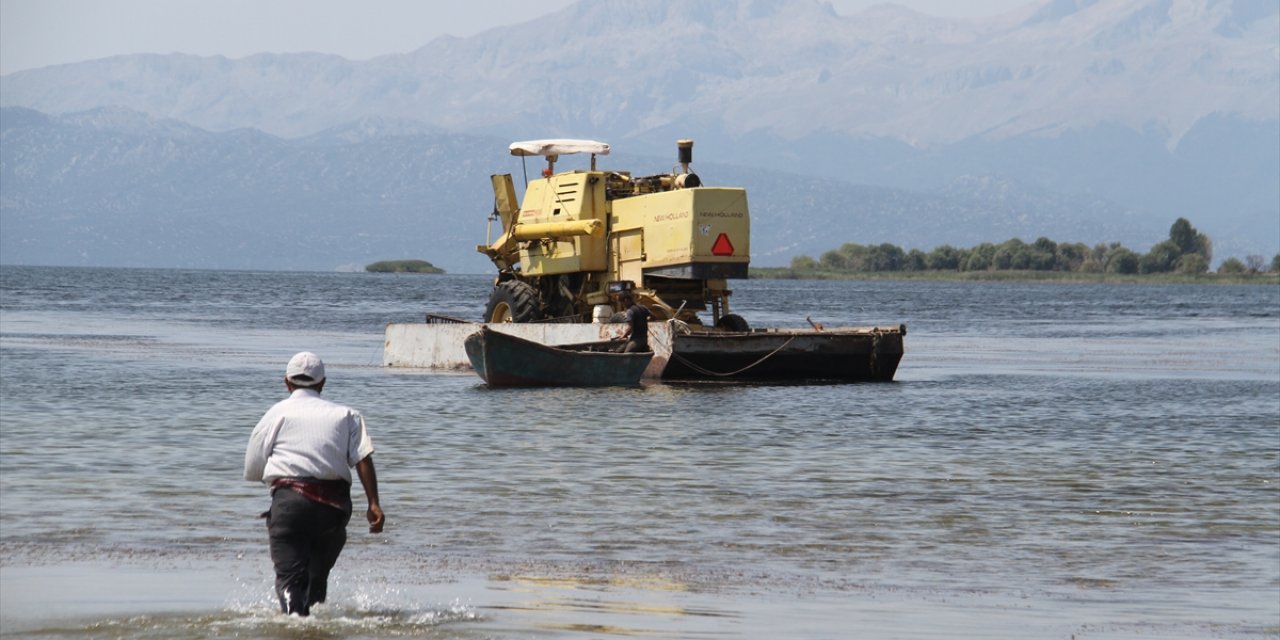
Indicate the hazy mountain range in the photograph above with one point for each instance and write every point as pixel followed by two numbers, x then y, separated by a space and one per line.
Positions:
pixel 1081 120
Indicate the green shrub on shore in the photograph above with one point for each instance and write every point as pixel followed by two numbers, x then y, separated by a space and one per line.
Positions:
pixel 1184 257
pixel 403 266
pixel 787 273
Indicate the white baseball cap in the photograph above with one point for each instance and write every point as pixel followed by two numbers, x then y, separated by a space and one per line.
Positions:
pixel 305 369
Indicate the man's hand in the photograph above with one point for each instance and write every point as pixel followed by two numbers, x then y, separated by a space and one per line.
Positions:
pixel 369 478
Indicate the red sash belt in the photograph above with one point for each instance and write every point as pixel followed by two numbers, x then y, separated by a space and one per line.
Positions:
pixel 334 493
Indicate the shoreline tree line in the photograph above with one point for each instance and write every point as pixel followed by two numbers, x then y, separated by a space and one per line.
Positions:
pixel 1186 251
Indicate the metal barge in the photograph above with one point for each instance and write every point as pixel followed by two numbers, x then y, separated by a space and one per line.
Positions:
pixel 848 354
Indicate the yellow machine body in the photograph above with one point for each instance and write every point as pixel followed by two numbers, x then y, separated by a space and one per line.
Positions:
pixel 575 198
pixel 580 236
pixel 695 233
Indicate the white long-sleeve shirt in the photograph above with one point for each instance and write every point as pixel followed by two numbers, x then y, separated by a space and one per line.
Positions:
pixel 306 436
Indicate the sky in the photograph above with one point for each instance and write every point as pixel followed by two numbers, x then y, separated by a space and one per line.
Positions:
pixel 40 33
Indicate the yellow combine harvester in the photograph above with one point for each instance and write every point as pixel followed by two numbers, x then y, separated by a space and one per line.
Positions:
pixel 581 237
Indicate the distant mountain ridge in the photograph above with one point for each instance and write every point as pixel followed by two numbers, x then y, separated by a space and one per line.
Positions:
pixel 787 67
pixel 1154 108
pixel 117 188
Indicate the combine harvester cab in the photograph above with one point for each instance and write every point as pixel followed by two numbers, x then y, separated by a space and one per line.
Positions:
pixel 581 237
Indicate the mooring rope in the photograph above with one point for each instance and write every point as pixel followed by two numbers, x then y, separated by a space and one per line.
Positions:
pixel 875 351
pixel 671 348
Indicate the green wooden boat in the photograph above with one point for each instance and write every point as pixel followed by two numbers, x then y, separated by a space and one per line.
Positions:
pixel 503 360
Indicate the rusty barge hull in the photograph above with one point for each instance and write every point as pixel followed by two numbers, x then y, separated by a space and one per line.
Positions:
pixel 846 354
pixel 870 355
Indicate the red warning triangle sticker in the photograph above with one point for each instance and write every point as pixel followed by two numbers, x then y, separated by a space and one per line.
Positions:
pixel 722 247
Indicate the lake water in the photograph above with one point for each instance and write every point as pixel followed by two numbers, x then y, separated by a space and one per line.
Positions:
pixel 1053 461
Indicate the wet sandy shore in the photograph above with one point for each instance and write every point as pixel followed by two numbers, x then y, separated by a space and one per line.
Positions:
pixel 128 595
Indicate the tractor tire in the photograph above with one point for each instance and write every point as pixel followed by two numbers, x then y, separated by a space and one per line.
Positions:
pixel 513 301
pixel 733 322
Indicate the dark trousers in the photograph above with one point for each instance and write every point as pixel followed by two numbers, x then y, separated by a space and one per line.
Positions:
pixel 306 539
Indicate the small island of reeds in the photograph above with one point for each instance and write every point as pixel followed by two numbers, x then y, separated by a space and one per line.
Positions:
pixel 403 266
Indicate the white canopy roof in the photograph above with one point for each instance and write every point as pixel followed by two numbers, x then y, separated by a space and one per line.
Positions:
pixel 558 147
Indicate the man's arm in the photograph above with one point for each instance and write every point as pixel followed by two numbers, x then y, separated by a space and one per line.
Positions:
pixel 261 442
pixel 626 333
pixel 369 478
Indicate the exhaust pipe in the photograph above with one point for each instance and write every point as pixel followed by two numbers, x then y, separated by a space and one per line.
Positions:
pixel 686 179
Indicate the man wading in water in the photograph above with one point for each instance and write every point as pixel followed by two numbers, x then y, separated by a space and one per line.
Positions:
pixel 304 448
